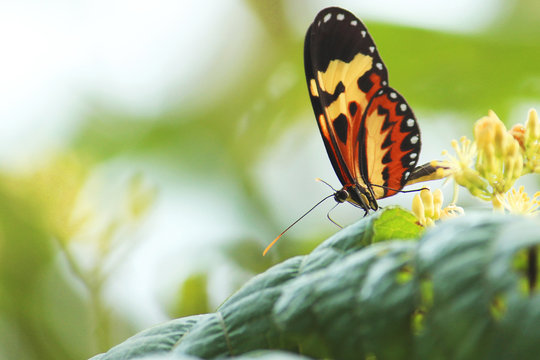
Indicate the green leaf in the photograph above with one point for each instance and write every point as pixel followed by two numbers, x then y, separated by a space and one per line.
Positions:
pixel 254 355
pixel 156 340
pixel 453 294
pixel 396 223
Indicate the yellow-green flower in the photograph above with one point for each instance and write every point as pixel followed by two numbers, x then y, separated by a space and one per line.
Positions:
pixel 499 159
pixel 531 143
pixel 518 202
pixel 490 165
pixel 427 207
pixel 466 152
pixel 463 174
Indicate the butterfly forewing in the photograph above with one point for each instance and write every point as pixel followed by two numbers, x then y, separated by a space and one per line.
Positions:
pixel 363 122
pixel 343 71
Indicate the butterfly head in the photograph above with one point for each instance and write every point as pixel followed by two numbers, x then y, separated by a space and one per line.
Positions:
pixel 358 196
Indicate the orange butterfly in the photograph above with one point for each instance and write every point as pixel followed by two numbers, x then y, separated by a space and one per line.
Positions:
pixel 370 132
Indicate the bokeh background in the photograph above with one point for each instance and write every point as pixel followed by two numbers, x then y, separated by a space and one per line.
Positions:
pixel 149 150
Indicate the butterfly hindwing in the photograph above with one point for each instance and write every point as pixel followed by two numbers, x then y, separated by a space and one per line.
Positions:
pixel 363 122
pixel 389 142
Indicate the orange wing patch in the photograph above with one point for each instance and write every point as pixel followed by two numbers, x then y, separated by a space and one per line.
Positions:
pixel 392 141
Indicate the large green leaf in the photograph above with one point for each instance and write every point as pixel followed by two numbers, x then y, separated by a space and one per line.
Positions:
pixel 454 294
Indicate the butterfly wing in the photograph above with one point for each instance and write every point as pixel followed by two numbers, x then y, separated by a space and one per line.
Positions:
pixel 389 142
pixel 339 59
pixel 364 123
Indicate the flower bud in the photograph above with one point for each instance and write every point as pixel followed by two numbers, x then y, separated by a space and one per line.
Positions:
pixel 532 127
pixel 500 139
pixel 484 133
pixel 518 132
pixel 472 180
pixel 418 209
pixel 437 203
pixel 427 200
pixel 513 163
pixel 487 163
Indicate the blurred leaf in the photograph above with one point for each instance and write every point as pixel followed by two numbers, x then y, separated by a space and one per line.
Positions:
pixel 247 254
pixel 52 189
pixel 141 196
pixel 352 303
pixel 27 273
pixel 193 296
pixel 519 22
pixel 272 15
pixel 466 74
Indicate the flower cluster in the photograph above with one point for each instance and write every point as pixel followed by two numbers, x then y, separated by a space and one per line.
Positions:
pixel 490 165
pixel 427 207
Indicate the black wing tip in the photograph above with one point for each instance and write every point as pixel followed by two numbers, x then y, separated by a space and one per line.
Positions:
pixel 321 15
pixel 332 8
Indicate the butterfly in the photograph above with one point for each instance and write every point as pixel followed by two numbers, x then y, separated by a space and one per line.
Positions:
pixel 369 130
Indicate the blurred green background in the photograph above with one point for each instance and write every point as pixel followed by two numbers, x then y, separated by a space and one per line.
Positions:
pixel 151 150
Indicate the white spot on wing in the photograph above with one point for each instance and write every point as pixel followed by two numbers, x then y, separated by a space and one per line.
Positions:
pixel 414 139
pixel 413 155
pixel 327 17
pixel 363 32
pixel 410 122
pixel 393 95
pixel 379 66
pixel 340 17
pixel 412 163
pixel 354 22
pixel 380 92
pixel 384 83
pixel 403 107
pixel 406 175
pixel 372 48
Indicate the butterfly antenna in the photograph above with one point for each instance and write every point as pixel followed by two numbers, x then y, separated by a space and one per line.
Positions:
pixel 294 223
pixel 324 182
pixel 332 220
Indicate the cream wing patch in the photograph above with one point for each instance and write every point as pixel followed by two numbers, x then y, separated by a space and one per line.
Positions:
pixel 313 88
pixel 348 74
pixel 375 153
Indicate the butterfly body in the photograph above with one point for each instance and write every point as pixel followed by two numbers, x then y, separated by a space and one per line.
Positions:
pixel 369 131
